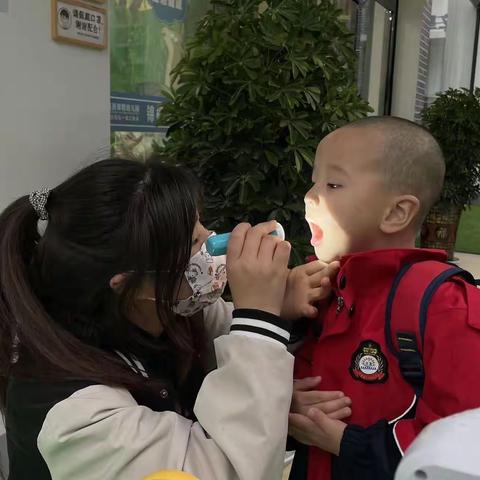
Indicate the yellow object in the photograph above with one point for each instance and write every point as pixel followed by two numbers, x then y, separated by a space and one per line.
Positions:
pixel 170 475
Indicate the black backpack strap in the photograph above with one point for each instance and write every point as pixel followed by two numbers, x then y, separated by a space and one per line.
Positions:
pixel 407 311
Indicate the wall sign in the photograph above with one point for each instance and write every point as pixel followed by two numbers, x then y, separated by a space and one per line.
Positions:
pixel 4 6
pixel 76 22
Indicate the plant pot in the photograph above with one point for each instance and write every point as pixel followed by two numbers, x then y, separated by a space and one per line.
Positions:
pixel 440 228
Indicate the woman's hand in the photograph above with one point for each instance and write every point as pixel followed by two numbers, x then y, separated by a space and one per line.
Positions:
pixel 306 285
pixel 257 267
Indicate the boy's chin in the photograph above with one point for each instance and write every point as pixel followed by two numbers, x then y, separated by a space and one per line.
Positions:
pixel 327 256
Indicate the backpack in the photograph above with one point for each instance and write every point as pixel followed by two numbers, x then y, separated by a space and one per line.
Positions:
pixel 405 326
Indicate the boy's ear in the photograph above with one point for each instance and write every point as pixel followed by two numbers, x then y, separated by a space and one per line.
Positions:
pixel 401 214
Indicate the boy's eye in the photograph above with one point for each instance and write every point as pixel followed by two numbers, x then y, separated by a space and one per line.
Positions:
pixel 333 186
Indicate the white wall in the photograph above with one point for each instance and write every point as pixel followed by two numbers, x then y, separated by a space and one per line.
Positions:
pixel 406 58
pixel 54 102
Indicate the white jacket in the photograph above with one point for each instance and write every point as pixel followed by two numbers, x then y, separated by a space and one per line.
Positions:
pixel 101 433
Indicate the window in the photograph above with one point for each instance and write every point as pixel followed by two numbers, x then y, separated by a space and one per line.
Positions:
pixel 447 49
pixel 373 24
pixel 451 36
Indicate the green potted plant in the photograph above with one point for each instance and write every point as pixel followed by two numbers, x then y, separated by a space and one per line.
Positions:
pixel 454 120
pixel 261 83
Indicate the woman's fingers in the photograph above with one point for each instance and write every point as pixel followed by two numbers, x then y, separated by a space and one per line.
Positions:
pixel 254 236
pixel 237 240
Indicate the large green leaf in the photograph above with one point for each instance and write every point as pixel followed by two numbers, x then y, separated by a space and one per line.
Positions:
pixel 261 83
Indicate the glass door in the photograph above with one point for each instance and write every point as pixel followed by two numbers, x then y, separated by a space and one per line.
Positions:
pixel 373 22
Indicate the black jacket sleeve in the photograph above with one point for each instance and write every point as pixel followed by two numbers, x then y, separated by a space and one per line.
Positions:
pixel 300 461
pixel 367 453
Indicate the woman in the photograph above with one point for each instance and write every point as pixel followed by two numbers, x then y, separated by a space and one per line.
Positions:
pixel 98 370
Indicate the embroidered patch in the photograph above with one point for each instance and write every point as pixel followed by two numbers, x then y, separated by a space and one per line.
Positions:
pixel 369 364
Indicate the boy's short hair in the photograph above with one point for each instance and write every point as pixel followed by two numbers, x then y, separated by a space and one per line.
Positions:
pixel 413 161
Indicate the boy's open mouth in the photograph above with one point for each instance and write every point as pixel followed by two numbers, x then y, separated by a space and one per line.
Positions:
pixel 317 234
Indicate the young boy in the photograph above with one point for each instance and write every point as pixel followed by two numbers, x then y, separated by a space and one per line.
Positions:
pixel 373 183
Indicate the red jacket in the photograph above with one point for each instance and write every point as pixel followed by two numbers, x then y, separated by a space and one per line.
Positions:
pixel 351 326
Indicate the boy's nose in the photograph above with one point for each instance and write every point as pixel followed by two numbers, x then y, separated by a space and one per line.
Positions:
pixel 311 199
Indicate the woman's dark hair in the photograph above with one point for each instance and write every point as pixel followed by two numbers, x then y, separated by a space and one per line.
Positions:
pixel 56 304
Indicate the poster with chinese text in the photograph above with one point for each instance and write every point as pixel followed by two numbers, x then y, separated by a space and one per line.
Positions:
pixel 146 42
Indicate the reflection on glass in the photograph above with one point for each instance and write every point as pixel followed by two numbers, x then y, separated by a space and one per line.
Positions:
pixel 371 23
pixel 378 58
pixel 451 44
pixel 350 10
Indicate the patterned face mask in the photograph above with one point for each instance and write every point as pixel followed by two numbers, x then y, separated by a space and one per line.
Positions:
pixel 207 277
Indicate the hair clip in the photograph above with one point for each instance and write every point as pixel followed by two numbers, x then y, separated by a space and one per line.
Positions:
pixel 38 199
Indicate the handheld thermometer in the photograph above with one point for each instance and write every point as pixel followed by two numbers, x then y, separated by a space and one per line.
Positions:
pixel 217 244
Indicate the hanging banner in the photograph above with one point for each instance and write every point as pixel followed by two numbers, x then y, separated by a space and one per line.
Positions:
pixel 135 113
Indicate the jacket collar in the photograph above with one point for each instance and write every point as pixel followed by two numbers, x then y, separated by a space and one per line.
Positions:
pixel 366 272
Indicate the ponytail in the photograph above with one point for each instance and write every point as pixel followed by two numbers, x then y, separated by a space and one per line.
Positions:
pixel 18 236
pixel 26 325
pixel 59 318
